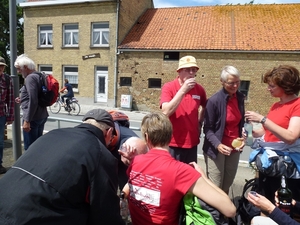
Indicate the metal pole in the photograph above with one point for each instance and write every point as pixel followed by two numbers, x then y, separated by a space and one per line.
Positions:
pixel 16 131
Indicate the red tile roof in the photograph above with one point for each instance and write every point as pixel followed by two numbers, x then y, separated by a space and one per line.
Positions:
pixel 269 27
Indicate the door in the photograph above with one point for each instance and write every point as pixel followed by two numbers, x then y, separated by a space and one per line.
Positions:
pixel 101 84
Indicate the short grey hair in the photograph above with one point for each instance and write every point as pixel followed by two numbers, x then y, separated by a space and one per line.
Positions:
pixel 229 70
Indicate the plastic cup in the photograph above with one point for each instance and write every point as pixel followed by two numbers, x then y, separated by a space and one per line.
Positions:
pixel 236 143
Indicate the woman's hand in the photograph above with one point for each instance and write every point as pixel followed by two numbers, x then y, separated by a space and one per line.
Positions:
pixel 261 202
pixel 253 116
pixel 225 150
pixel 127 153
pixel 18 100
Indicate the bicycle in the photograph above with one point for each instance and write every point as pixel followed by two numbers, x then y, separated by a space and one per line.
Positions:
pixel 72 106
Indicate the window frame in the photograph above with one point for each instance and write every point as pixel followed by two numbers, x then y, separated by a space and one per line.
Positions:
pixel 103 27
pixel 171 56
pixel 48 69
pixel 244 88
pixel 125 81
pixel 69 72
pixel 44 29
pixel 151 82
pixel 72 29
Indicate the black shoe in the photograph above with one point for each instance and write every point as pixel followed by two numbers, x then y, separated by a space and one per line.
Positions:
pixel 2 169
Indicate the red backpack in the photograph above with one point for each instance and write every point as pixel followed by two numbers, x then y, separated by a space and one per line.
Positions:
pixel 120 119
pixel 50 88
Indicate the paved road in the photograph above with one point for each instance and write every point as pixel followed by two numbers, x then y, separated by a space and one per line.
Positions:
pixel 244 172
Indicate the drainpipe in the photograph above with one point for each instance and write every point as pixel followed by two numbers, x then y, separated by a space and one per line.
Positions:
pixel 116 54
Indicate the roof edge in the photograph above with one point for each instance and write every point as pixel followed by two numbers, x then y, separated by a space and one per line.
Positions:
pixel 120 50
pixel 63 2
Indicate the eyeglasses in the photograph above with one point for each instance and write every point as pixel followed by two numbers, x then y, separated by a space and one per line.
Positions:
pixel 237 83
pixel 188 70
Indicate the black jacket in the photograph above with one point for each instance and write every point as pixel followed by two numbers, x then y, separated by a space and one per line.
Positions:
pixel 66 177
pixel 125 133
pixel 215 119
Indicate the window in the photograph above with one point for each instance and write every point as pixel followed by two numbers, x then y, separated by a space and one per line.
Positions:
pixel 154 83
pixel 46 68
pixel 244 88
pixel 71 73
pixel 71 35
pixel 125 81
pixel 45 35
pixel 100 34
pixel 171 56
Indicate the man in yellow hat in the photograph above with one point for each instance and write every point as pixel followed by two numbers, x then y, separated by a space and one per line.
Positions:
pixel 184 100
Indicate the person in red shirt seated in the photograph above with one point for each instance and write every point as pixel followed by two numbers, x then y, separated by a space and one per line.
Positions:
pixel 158 182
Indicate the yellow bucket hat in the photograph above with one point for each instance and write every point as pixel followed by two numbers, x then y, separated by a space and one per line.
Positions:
pixel 187 62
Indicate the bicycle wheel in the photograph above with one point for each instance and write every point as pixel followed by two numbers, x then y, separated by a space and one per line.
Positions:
pixel 55 108
pixel 75 108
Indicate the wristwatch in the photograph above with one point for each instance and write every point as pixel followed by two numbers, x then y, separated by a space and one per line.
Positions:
pixel 263 120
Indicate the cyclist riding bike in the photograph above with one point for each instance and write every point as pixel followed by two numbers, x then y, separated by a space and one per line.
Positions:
pixel 69 94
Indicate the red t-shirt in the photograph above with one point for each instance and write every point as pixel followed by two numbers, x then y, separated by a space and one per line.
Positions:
pixel 233 118
pixel 185 118
pixel 281 115
pixel 157 184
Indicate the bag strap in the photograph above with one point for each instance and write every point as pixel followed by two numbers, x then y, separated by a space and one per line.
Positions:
pixel 249 183
pixel 181 213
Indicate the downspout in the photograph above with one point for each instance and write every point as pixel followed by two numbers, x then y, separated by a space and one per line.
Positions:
pixel 116 54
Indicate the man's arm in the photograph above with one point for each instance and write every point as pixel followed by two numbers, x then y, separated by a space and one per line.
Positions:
pixel 62 90
pixel 168 108
pixel 32 87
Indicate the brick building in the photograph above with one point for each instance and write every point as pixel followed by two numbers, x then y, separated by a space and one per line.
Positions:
pixel 253 38
pixel 135 48
pixel 78 40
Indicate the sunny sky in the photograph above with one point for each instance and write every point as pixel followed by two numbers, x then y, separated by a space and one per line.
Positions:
pixel 182 3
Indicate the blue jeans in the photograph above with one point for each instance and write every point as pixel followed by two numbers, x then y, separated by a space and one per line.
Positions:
pixel 36 130
pixel 2 126
pixel 66 96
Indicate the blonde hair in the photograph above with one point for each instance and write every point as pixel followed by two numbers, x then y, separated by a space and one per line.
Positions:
pixel 158 128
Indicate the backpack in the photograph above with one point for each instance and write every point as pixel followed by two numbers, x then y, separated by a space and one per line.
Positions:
pixel 50 88
pixel 246 211
pixel 192 212
pixel 120 119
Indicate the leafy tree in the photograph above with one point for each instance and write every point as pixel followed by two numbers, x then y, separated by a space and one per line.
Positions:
pixel 4 31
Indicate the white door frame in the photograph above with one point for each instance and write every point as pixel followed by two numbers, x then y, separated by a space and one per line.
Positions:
pixel 101 85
